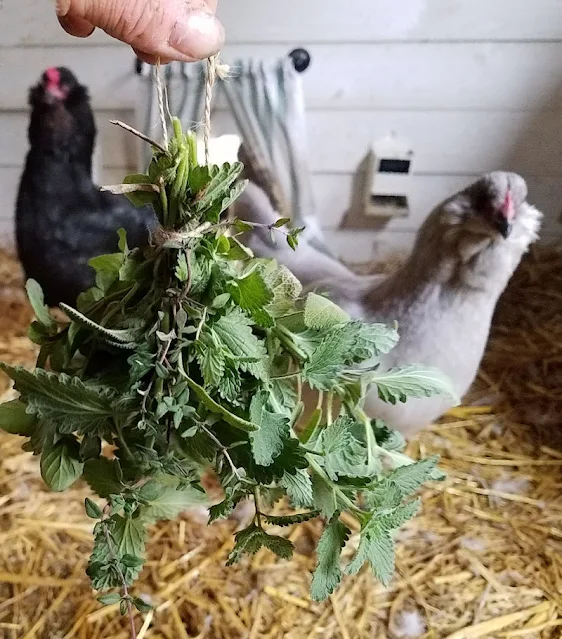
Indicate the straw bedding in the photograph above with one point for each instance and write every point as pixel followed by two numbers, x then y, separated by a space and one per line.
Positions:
pixel 483 559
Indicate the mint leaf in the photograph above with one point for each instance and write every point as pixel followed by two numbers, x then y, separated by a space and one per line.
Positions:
pixel 215 407
pixel 410 478
pixel 248 541
pixel 129 535
pixel 230 385
pixel 62 399
pixel 212 364
pixel 172 502
pixel 321 313
pixel 299 488
pixel 234 332
pixel 324 497
pixel 290 520
pixel 182 268
pixel 103 477
pixel 280 546
pixel 376 545
pixel 397 384
pixel 284 286
pixel 37 301
pixel 328 360
pixel 344 455
pixel 109 264
pixel 373 340
pixel 61 465
pixel 15 420
pixel 327 575
pixel 251 539
pixel 274 430
pixel 389 439
pixel 222 510
pixel 252 294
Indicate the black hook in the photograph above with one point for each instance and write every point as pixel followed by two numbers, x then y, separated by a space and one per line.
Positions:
pixel 138 66
pixel 301 59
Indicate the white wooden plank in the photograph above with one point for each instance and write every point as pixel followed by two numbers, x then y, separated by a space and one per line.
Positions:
pixel 445 142
pixel 502 76
pixel 117 147
pixel 29 22
pixel 380 20
pixel 333 198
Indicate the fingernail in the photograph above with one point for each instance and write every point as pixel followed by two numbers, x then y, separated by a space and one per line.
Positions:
pixel 199 36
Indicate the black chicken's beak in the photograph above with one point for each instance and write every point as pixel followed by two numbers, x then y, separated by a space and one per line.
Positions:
pixel 504 227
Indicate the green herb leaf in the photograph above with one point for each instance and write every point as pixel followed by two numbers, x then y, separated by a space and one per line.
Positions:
pixel 291 520
pixel 397 384
pixel 321 313
pixel 109 599
pixel 251 539
pixel 92 509
pixel 37 301
pixel 376 545
pixel 299 488
pixel 102 477
pixel 328 360
pixel 234 332
pixel 174 500
pixel 182 269
pixel 212 364
pixel 215 407
pixel 63 399
pixel 273 431
pixel 129 535
pixel 327 575
pixel 14 418
pixel 61 465
pixel 252 294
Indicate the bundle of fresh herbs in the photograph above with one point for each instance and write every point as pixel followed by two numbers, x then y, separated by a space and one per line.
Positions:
pixel 191 355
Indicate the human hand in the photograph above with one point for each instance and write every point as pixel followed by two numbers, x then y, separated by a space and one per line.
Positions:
pixel 183 30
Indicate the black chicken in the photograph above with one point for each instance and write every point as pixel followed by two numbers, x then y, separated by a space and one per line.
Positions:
pixel 62 218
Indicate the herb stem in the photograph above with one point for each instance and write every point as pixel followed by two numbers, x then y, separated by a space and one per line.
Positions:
pixel 201 324
pixel 342 497
pixel 121 577
pixel 257 505
pixel 286 375
pixel 223 449
pixel 286 338
pixel 329 408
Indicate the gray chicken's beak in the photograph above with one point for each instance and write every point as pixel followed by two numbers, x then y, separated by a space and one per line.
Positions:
pixel 504 228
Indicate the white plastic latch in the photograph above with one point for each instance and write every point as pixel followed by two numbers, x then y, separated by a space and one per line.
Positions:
pixel 388 178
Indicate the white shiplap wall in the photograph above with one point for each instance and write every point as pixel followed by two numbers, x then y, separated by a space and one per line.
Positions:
pixel 475 86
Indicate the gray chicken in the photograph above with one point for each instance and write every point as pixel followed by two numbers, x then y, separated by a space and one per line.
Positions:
pixel 444 295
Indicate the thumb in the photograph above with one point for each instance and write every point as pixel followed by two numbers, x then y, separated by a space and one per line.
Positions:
pixel 183 30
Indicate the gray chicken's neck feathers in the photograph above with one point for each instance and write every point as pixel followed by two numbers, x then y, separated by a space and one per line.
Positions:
pixel 457 262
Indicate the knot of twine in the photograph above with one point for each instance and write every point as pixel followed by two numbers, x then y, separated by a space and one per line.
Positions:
pixel 160 236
